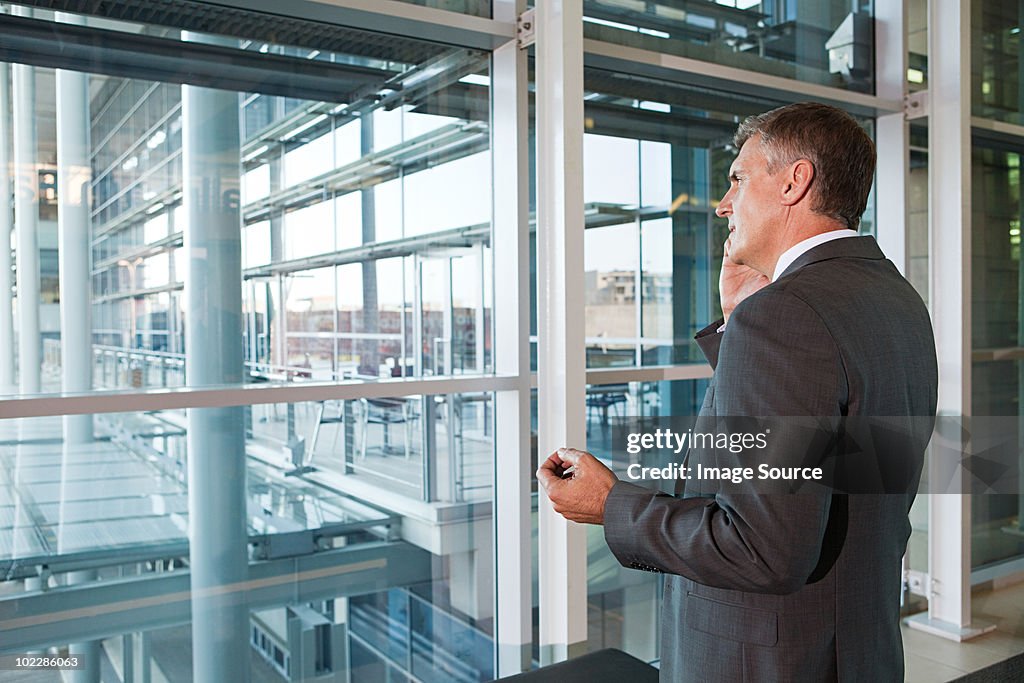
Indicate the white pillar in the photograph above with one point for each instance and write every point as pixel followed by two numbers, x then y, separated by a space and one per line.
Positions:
pixel 560 288
pixel 216 436
pixel 73 178
pixel 512 473
pixel 7 385
pixel 949 244
pixel 26 218
pixel 892 135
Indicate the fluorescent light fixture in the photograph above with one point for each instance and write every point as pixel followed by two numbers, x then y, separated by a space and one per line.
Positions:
pixel 340 108
pixel 255 154
pixel 146 196
pixel 156 207
pixel 476 79
pixel 130 164
pixel 313 55
pixel 264 48
pixel 652 32
pixel 157 139
pixel 304 127
pixel 654 106
pixel 915 75
pixel 612 24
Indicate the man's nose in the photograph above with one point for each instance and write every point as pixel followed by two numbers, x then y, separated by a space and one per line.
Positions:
pixel 724 207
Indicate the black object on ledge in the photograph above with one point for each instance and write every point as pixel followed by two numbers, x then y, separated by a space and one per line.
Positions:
pixel 608 665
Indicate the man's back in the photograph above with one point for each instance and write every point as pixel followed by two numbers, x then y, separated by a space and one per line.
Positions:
pixel 840 334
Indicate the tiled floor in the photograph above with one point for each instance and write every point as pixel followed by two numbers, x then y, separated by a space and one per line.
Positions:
pixel 930 659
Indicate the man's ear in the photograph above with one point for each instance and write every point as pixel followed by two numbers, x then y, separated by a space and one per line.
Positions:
pixel 796 182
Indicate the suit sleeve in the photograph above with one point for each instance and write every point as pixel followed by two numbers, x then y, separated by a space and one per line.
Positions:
pixel 710 340
pixel 776 358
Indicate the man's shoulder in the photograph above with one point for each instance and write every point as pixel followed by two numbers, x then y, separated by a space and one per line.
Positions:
pixel 780 301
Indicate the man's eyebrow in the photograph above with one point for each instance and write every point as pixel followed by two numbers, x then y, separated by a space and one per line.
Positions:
pixel 735 174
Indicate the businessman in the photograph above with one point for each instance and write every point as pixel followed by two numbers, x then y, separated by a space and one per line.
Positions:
pixel 817 324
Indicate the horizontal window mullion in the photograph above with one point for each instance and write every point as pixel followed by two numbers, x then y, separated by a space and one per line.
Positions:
pixel 222 397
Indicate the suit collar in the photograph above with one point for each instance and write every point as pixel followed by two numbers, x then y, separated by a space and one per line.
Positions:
pixel 850 247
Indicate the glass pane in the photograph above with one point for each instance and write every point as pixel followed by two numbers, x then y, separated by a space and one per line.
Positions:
pixel 624 605
pixel 314 275
pixel 917 44
pixel 479 8
pixel 656 157
pixel 996 385
pixel 995 61
pixel 997 526
pixel 349 195
pixel 831 43
pixel 610 265
pixel 995 244
pixel 325 491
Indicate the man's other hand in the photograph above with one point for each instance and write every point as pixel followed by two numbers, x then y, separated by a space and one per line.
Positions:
pixel 737 282
pixel 577 484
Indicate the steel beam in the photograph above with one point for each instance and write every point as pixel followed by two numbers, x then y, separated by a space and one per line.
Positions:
pixel 116 53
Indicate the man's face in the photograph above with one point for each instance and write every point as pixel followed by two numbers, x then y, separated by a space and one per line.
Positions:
pixel 752 207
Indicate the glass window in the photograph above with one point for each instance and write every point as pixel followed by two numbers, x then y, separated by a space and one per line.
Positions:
pixel 348 211
pixel 338 283
pixel 309 230
pixel 310 159
pixel 256 183
pixel 996 276
pixel 831 43
pixel 995 61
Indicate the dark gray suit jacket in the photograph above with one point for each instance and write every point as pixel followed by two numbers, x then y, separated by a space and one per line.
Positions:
pixel 803 586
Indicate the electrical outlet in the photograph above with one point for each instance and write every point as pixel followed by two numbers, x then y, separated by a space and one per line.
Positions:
pixel 918 583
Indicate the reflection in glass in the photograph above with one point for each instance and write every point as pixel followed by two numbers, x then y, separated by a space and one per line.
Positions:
pixel 382 183
pixel 996 385
pixel 361 259
pixel 328 483
pixel 995 61
pixel 610 268
pixel 624 605
pixel 831 43
pixel 656 157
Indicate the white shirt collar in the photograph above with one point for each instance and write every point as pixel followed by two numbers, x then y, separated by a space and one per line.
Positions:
pixel 798 249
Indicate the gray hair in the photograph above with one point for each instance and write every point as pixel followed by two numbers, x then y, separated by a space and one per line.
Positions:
pixel 840 150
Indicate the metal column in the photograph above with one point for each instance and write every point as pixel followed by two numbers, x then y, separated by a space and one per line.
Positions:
pixel 73 179
pixel 26 218
pixel 949 246
pixel 511 276
pixel 7 385
pixel 369 349
pixel 892 134
pixel 216 436
pixel 560 287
